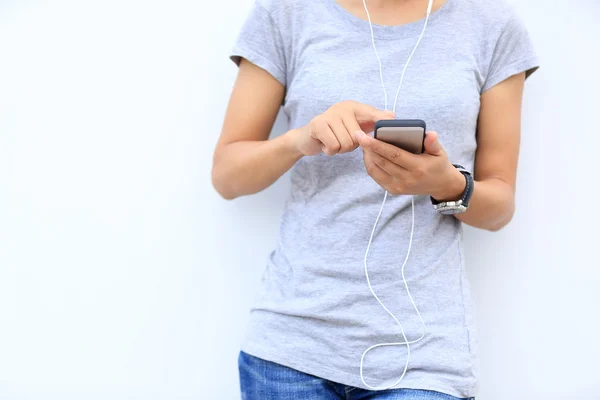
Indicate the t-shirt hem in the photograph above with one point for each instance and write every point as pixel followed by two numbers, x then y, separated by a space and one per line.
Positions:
pixel 529 66
pixel 333 375
pixel 258 60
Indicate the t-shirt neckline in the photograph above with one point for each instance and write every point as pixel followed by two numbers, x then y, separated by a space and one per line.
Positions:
pixel 390 31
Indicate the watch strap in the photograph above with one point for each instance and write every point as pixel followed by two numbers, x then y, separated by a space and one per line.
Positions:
pixel 467 193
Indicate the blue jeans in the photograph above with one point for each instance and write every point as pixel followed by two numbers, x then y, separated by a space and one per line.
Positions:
pixel 265 380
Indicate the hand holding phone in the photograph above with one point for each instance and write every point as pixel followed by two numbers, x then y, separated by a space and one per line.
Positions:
pixel 400 169
pixel 407 134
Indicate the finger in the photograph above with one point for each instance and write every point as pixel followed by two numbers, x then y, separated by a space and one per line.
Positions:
pixel 392 169
pixel 368 125
pixel 367 115
pixel 375 171
pixel 352 126
pixel 325 135
pixel 341 133
pixel 394 154
pixel 433 145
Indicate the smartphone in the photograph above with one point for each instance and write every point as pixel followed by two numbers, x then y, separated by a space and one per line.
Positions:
pixel 408 134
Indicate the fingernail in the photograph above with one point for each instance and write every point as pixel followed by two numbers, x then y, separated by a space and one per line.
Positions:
pixel 358 134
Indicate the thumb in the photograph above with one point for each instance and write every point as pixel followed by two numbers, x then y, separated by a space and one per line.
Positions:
pixel 433 145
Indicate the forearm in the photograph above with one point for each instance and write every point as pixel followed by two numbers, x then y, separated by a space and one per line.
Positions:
pixel 492 205
pixel 248 167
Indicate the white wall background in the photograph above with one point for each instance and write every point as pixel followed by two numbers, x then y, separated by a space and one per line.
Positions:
pixel 117 275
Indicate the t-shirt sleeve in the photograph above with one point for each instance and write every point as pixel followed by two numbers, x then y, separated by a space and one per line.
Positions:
pixel 513 53
pixel 260 42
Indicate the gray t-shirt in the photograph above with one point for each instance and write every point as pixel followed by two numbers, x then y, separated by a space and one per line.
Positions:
pixel 314 312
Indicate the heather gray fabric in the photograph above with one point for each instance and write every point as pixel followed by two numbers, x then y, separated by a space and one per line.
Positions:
pixel 314 311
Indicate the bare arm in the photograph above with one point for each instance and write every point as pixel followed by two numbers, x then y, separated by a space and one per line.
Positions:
pixel 498 137
pixel 244 161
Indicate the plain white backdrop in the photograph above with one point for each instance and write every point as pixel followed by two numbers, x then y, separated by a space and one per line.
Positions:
pixel 123 275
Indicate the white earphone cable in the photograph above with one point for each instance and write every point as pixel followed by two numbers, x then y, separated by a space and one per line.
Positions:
pixel 406 341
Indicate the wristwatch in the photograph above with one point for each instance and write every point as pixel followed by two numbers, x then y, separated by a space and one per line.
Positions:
pixel 460 205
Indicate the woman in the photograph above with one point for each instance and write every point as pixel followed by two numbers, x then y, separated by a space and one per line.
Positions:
pixel 331 64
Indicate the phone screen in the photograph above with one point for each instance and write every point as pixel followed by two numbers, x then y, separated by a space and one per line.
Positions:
pixel 409 138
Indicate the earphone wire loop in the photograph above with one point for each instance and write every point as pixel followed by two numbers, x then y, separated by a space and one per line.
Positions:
pixel 406 342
